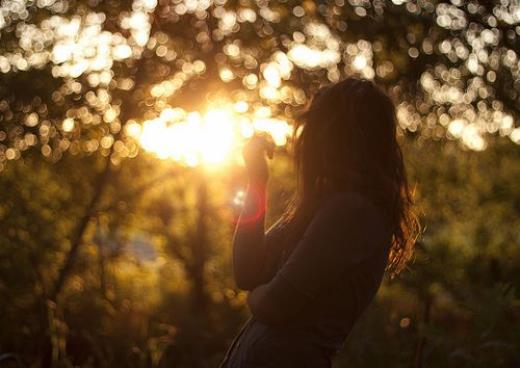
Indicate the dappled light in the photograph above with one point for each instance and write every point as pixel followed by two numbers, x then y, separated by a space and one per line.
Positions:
pixel 469 78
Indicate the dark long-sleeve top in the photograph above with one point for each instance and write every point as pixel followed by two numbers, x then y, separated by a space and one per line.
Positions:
pixel 316 296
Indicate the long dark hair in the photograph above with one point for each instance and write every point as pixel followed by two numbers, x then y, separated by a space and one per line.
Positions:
pixel 346 140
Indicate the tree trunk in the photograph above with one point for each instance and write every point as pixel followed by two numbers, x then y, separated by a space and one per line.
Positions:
pixel 75 243
pixel 79 231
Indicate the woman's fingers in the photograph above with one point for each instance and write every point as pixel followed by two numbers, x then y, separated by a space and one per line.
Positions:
pixel 266 142
pixel 269 144
pixel 254 153
pixel 258 144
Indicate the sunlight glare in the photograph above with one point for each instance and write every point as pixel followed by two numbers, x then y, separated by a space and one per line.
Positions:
pixel 211 139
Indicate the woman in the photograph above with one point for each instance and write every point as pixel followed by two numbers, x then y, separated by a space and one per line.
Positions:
pixel 317 268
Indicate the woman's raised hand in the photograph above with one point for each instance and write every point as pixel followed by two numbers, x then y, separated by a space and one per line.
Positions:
pixel 254 152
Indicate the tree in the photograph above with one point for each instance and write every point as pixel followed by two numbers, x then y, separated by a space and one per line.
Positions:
pixel 78 78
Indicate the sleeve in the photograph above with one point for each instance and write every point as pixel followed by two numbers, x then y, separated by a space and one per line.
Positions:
pixel 273 238
pixel 341 235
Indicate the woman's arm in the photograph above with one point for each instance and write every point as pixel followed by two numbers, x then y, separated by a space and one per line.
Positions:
pixel 249 241
pixel 249 246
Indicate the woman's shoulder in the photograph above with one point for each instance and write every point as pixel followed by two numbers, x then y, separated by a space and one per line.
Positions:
pixel 348 199
pixel 354 204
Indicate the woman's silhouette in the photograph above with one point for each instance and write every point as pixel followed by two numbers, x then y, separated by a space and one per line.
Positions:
pixel 317 268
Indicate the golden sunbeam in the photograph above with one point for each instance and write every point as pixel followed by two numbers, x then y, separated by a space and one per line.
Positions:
pixel 210 139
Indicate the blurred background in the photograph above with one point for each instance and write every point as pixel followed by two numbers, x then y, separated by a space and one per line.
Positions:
pixel 121 125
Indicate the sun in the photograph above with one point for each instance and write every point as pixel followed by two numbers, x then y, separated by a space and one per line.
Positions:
pixel 212 138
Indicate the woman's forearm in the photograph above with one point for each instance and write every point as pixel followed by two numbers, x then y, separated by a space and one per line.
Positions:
pixel 249 250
